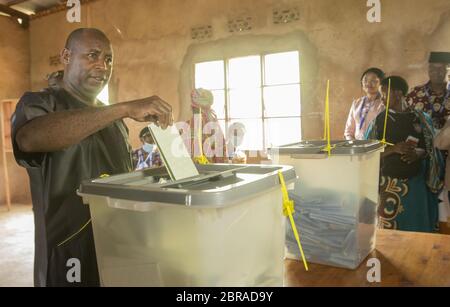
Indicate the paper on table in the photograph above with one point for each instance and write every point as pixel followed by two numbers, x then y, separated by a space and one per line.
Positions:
pixel 173 152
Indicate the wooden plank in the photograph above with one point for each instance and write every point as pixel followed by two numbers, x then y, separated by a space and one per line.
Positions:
pixel 407 259
pixel 14 13
pixel 15 2
pixel 56 8
pixel 5 162
pixel 6 110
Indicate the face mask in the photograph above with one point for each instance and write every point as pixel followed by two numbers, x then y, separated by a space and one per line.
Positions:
pixel 148 148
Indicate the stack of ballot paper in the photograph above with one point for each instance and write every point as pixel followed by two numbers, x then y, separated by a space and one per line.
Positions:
pixel 328 226
pixel 173 152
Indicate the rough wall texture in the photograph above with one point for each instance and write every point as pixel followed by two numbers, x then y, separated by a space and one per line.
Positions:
pixel 14 80
pixel 152 42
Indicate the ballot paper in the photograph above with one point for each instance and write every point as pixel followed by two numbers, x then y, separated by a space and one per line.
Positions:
pixel 327 223
pixel 173 152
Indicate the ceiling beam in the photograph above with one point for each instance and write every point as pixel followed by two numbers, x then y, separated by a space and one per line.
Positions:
pixel 62 6
pixel 16 14
pixel 15 2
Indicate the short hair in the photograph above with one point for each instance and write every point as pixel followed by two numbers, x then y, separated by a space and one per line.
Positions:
pixel 378 72
pixel 77 35
pixel 144 132
pixel 397 83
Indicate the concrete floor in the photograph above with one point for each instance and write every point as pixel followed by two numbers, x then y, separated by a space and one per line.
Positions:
pixel 16 246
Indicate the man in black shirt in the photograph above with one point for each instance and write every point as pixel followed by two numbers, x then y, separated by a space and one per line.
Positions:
pixel 64 135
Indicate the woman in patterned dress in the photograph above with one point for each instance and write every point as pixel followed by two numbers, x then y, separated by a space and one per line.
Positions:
pixel 411 169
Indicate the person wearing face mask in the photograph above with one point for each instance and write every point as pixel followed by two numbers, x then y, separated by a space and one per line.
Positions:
pixel 411 168
pixel 148 155
pixel 365 109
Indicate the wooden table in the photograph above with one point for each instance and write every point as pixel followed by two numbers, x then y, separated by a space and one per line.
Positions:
pixel 407 259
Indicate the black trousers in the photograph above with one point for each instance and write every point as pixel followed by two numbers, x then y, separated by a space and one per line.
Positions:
pixel 81 248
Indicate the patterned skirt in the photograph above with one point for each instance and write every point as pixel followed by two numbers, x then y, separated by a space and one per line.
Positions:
pixel 408 204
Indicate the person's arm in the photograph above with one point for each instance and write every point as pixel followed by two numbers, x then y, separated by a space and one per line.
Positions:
pixel 389 151
pixel 442 140
pixel 350 126
pixel 60 130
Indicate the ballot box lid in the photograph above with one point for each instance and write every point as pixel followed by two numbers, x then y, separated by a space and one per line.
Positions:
pixel 343 147
pixel 218 185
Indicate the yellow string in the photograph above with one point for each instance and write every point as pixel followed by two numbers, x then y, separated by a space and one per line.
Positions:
pixel 325 126
pixel 201 159
pixel 288 210
pixel 383 141
pixel 327 134
pixel 75 234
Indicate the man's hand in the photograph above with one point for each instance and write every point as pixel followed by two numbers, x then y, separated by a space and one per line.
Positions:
pixel 152 109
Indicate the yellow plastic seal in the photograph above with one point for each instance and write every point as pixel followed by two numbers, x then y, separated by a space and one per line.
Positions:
pixel 288 210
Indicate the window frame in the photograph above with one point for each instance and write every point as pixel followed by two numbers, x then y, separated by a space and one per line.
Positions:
pixel 263 86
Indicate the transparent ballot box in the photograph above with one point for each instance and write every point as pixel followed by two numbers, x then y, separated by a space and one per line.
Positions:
pixel 335 200
pixel 224 227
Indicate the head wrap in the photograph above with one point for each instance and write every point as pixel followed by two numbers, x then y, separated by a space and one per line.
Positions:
pixel 203 143
pixel 204 99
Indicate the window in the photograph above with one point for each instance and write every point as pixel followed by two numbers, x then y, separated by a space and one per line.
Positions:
pixel 104 95
pixel 260 91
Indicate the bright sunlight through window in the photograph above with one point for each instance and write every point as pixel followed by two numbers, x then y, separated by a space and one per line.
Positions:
pixel 104 95
pixel 261 91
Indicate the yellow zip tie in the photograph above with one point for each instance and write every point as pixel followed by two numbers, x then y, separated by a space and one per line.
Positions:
pixel 383 141
pixel 326 132
pixel 75 234
pixel 202 158
pixel 288 210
